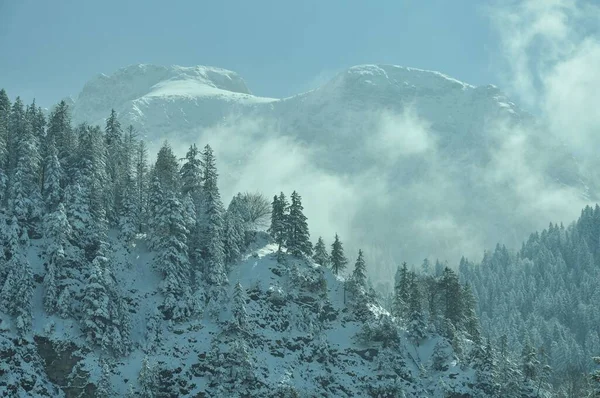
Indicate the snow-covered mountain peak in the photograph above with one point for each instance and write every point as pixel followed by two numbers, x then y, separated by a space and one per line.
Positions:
pixel 143 82
pixel 398 76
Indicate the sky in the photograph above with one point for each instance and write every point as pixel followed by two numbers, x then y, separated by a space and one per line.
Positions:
pixel 281 48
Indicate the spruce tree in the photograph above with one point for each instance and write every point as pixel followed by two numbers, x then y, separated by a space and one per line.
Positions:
pixel 401 292
pixel 279 220
pixel 298 237
pixel 25 195
pixel 359 275
pixel 141 184
pixel 61 133
pixel 451 297
pixel 166 169
pixel 238 308
pixel 191 174
pixel 338 260
pixel 5 106
pixel 234 233
pixel 173 260
pixel 52 192
pixel 213 254
pixel 321 256
pixel 417 328
pixel 113 135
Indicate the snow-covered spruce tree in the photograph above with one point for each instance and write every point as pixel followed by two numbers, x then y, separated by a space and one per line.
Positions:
pixel 338 260
pixel 279 220
pixel 298 237
pixel 104 315
pixel 191 174
pixel 17 291
pixel 321 256
pixel 417 327
pixel 24 194
pixel 241 367
pixel 148 379
pixel 113 138
pixel 105 388
pixel 238 308
pixel 155 200
pixel 57 232
pixel 52 191
pixel 4 163
pixel 213 255
pixel 470 319
pixel 359 275
pixel 166 168
pixel 141 184
pixel 153 332
pixel 234 233
pixel 401 292
pixel 128 220
pixel 442 353
pixel 451 297
pixel 60 131
pixel 172 260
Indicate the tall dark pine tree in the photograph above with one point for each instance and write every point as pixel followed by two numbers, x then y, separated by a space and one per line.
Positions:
pixel 401 292
pixel 359 275
pixel 53 176
pixel 321 256
pixel 298 237
pixel 113 135
pixel 279 219
pixel 4 121
pixel 141 184
pixel 212 249
pixel 59 129
pixel 338 260
pixel 191 185
pixel 166 169
pixel 25 195
pixel 416 321
pixel 234 233
pixel 452 297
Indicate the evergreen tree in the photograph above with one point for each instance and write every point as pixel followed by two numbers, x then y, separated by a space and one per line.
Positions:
pixel 191 174
pixel 52 178
pixel 238 310
pixel 470 319
pixel 529 361
pixel 298 237
pixel 234 232
pixel 57 232
pixel 166 169
pixel 5 106
pixel 17 291
pixel 401 292
pixel 105 389
pixel 451 297
pixel 279 220
pixel 173 260
pixel 25 195
pixel 113 135
pixel 213 254
pixel 595 379
pixel 141 183
pixel 148 379
pixel 61 133
pixel 338 260
pixel 321 256
pixel 417 328
pixel 155 201
pixel 359 275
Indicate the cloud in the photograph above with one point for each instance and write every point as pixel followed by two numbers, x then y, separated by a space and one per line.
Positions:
pixel 400 134
pixel 551 51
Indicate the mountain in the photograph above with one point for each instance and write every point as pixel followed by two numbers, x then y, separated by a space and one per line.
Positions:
pixel 386 153
pixel 300 335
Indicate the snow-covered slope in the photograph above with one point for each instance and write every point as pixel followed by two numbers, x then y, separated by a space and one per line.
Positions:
pixel 301 336
pixel 440 167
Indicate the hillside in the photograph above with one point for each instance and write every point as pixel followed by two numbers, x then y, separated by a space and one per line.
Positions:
pixel 411 156
pixel 300 335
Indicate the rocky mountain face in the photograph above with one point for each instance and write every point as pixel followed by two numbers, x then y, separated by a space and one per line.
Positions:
pixel 392 154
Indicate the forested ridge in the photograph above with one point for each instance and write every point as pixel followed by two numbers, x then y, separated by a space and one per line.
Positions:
pixel 87 193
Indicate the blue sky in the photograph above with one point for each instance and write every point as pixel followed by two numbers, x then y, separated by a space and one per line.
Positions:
pixel 51 48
